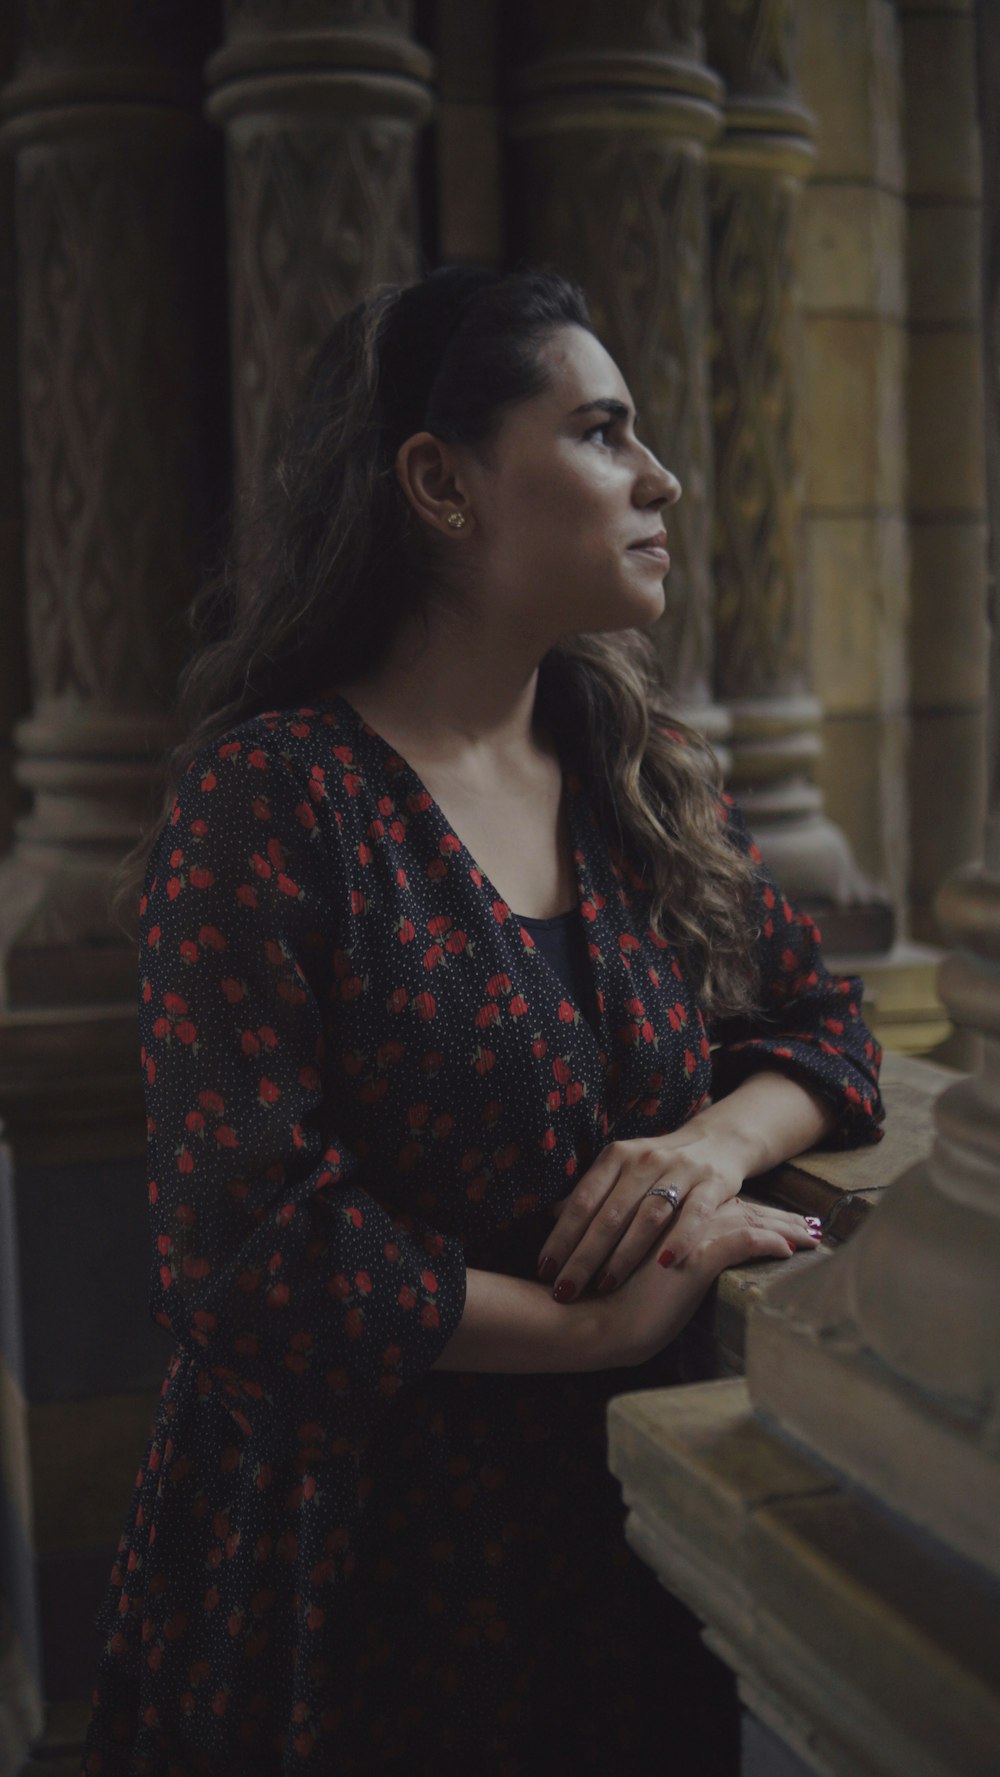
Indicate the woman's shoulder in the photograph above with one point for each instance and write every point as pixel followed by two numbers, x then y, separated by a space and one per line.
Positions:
pixel 273 787
pixel 303 750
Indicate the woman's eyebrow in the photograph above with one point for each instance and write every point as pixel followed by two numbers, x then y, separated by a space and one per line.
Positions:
pixel 606 404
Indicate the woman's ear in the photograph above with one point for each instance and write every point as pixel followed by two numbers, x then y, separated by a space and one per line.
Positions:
pixel 432 483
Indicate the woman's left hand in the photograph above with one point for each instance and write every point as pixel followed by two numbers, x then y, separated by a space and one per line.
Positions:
pixel 608 1223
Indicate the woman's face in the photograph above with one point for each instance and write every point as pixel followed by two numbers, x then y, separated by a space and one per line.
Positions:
pixel 562 499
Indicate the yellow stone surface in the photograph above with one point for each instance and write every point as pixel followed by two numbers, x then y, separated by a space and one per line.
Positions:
pixel 858 579
pixel 852 250
pixel 948 798
pixel 942 138
pixel 943 255
pixel 861 773
pixel 946 442
pixel 852 413
pixel 948 659
pixel 847 65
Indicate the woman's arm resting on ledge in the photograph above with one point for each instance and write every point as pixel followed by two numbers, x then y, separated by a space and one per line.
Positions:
pixel 510 1324
pixel 768 1118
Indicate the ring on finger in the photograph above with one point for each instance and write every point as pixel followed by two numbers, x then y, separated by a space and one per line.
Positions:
pixel 668 1191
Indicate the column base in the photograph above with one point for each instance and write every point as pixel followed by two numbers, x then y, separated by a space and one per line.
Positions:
pixel 902 1004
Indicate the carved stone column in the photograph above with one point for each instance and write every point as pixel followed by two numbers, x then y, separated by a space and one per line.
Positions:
pixel 612 109
pixel 886 1360
pixel 112 166
pixel 13 689
pixel 115 382
pixel 321 101
pixel 756 171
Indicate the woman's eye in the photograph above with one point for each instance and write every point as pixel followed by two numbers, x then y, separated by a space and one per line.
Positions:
pixel 605 426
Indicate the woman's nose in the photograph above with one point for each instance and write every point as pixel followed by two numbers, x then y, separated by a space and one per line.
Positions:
pixel 658 485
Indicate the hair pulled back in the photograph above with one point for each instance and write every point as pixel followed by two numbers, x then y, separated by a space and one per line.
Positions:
pixel 314 583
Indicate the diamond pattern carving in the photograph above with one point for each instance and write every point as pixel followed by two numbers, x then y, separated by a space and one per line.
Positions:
pixel 755 551
pixel 318 214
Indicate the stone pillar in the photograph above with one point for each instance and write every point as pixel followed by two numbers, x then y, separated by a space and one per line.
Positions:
pixel 886 1360
pixel 853 404
pixel 756 172
pixel 816 1535
pixel 947 496
pixel 612 109
pixel 13 666
pixel 468 132
pixel 113 168
pixel 321 101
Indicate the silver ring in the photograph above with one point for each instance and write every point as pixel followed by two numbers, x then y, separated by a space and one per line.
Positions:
pixel 667 1191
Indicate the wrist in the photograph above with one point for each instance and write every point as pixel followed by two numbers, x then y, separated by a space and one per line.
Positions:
pixel 607 1333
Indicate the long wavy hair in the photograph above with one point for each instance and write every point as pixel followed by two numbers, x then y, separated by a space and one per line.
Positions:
pixel 313 582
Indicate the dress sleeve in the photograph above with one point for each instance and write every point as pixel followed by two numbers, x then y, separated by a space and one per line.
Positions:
pixel 306 1303
pixel 810 1025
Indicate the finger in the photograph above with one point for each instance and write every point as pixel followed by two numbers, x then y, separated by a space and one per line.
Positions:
pixel 579 1209
pixel 698 1209
pixel 738 1246
pixel 743 1219
pixel 653 1215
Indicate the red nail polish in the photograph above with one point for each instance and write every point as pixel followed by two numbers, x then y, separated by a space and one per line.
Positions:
pixel 565 1291
pixel 792 1244
pixel 547 1269
pixel 606 1284
pixel 666 1257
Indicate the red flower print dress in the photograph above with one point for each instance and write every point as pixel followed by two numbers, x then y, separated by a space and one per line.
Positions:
pixel 361 1078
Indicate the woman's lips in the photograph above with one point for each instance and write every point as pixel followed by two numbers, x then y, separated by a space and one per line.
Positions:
pixel 655 552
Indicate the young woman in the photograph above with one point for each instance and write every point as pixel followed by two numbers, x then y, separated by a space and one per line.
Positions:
pixel 467 1008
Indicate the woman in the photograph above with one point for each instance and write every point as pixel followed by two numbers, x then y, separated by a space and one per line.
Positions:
pixel 436 937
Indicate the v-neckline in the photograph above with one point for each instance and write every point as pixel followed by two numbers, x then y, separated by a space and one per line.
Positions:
pixel 578 851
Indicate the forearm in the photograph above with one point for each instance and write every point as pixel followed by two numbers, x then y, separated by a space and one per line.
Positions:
pixel 769 1117
pixel 510 1324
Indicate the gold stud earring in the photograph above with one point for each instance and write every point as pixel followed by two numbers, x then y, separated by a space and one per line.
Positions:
pixel 456 520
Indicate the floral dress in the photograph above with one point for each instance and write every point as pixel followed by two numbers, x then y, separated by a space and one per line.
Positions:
pixel 362 1076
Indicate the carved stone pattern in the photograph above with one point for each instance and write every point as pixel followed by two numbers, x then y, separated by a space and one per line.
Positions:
pixel 317 216
pixel 325 15
pixel 759 641
pixel 988 68
pixel 625 216
pixel 664 26
pixel 751 43
pixel 114 477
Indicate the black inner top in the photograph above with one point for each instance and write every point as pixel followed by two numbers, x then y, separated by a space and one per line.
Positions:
pixel 563 942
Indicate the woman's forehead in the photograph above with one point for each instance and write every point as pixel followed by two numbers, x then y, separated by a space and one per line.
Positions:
pixel 580 370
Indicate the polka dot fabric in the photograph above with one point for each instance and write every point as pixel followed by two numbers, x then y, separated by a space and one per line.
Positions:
pixel 362 1077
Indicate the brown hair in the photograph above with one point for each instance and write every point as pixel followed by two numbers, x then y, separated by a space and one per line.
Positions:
pixel 312 576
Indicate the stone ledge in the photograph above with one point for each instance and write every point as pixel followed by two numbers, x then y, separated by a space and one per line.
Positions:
pixel 841 1186
pixel 869 1649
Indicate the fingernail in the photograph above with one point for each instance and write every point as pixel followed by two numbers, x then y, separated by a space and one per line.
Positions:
pixel 547 1269
pixel 606 1283
pixel 565 1291
pixel 791 1244
pixel 666 1257
pixel 814 1226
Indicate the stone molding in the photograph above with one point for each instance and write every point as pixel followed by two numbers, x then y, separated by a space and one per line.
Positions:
pixel 866 1648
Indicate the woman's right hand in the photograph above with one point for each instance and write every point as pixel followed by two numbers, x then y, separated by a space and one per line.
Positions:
pixel 655 1303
